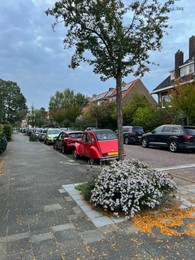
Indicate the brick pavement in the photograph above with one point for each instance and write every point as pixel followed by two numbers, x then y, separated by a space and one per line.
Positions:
pixel 41 219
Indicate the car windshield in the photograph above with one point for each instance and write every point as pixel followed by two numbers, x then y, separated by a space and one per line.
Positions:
pixel 53 131
pixel 139 130
pixel 106 135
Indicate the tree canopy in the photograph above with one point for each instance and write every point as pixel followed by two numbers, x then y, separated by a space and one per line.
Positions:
pixel 12 103
pixel 66 106
pixel 118 34
pixel 183 99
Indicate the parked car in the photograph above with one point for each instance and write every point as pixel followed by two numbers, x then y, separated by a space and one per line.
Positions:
pixel 132 134
pixel 65 141
pixel 174 137
pixel 42 134
pixel 97 146
pixel 91 128
pixel 51 134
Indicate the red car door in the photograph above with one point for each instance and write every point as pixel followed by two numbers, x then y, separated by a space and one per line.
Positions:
pixel 87 145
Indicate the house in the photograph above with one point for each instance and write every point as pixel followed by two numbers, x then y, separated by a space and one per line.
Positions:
pixel 183 72
pixel 128 91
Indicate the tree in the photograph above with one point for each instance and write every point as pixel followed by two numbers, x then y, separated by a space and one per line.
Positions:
pixel 102 116
pixel 138 101
pixel 12 103
pixel 66 106
pixel 183 99
pixel 118 35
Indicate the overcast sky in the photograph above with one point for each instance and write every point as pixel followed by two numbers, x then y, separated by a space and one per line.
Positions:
pixel 33 56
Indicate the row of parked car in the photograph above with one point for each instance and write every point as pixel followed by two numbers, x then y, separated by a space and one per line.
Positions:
pixel 99 145
pixel 173 137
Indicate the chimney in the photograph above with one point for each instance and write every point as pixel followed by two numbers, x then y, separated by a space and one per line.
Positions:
pixel 178 62
pixel 192 47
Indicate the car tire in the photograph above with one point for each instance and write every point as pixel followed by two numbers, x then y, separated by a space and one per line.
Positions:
pixel 144 143
pixel 173 146
pixel 75 154
pixel 91 161
pixel 63 149
pixel 126 140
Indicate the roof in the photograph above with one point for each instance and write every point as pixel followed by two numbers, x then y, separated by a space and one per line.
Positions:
pixel 168 83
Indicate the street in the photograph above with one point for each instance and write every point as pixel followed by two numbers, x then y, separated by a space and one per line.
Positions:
pixel 181 164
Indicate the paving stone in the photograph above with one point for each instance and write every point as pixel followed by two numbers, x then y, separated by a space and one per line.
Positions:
pixel 52 207
pixel 27 255
pixel 62 227
pixel 41 237
pixel 3 250
pixel 18 236
pixel 68 198
pixel 65 235
pixel 92 236
pixel 17 246
pixel 45 249
pixel 74 247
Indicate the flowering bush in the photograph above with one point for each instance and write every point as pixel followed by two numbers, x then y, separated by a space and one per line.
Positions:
pixel 129 186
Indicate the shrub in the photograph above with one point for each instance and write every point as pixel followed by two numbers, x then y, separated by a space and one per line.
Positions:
pixel 129 186
pixel 3 142
pixel 7 129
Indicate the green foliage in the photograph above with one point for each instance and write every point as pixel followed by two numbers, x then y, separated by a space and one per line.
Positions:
pixel 183 99
pixel 115 36
pixel 65 107
pixel 116 46
pixel 145 117
pixel 86 189
pixel 3 142
pixel 12 103
pixel 7 130
pixel 102 116
pixel 33 138
pixel 37 117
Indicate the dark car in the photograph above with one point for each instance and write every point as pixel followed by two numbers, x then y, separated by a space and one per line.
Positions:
pixel 132 134
pixel 174 137
pixel 65 141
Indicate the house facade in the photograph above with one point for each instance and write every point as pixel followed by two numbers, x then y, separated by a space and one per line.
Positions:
pixel 128 91
pixel 183 72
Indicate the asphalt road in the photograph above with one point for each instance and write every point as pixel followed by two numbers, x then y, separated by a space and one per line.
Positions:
pixel 181 164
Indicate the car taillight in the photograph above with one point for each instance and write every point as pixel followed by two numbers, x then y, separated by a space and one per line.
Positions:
pixel 187 136
pixel 132 134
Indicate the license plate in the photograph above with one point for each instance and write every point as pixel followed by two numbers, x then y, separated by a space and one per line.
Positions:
pixel 112 153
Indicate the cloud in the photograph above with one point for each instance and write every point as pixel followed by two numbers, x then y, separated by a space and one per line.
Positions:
pixel 33 55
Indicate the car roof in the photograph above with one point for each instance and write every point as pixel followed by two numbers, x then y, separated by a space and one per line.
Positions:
pixel 97 131
pixel 72 132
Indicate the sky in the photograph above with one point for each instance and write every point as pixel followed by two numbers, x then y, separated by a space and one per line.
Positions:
pixel 33 55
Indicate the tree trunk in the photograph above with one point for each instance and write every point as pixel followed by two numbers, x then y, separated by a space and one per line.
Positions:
pixel 119 115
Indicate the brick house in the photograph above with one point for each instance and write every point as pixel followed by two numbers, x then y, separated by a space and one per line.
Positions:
pixel 183 72
pixel 128 90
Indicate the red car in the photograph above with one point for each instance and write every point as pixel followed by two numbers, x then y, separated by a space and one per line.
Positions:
pixel 97 146
pixel 65 141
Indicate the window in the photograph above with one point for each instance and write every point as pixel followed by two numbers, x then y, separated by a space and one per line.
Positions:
pixel 158 129
pixel 166 99
pixel 167 129
pixel 183 71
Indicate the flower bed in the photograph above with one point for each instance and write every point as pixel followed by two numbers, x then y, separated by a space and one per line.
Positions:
pixel 129 186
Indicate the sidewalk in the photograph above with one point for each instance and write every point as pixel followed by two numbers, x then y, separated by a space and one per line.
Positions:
pixel 41 217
